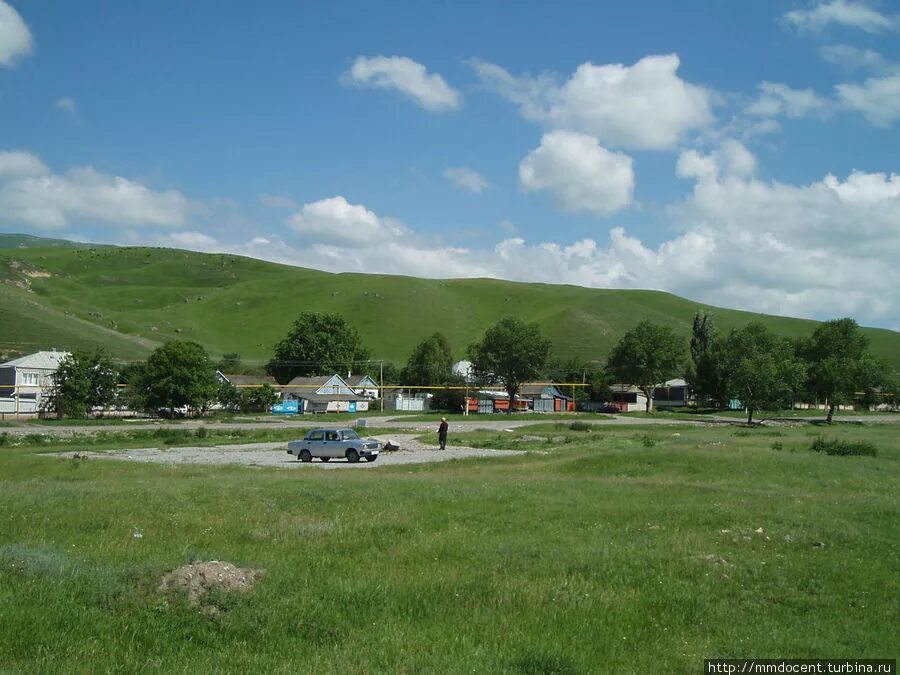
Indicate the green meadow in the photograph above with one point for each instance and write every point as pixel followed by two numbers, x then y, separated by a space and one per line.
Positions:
pixel 131 300
pixel 599 549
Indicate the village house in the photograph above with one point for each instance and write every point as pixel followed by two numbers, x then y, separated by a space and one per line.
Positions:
pixel 628 398
pixel 546 398
pixel 324 393
pixel 672 394
pixel 363 385
pixel 26 382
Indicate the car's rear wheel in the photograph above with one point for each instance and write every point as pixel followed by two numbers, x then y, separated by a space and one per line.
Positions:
pixel 324 459
pixel 305 456
pixel 371 458
pixel 352 456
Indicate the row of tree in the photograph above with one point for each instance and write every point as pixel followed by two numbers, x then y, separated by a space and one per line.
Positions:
pixel 178 375
pixel 751 364
pixel 760 369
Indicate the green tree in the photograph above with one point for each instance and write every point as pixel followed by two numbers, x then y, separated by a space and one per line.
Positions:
pixel 317 344
pixel 839 364
pixel 177 374
pixel 228 396
pixel 258 399
pixel 451 400
pixel 430 363
pixel 703 374
pixel 83 381
pixel 511 353
pixel 388 372
pixel 647 356
pixel 891 393
pixel 759 368
pixel 131 395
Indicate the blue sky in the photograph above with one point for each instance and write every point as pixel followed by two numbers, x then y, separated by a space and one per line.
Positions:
pixel 737 153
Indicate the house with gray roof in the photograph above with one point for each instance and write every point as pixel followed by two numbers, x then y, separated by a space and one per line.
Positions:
pixel 324 393
pixel 363 385
pixel 26 382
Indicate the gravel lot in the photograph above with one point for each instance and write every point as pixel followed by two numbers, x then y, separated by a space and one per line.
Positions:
pixel 275 455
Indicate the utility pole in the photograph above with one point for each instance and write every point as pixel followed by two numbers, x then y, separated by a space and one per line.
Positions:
pixel 381 383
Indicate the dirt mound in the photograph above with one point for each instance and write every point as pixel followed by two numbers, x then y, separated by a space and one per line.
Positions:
pixel 198 579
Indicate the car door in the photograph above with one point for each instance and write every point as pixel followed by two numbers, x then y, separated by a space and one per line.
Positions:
pixel 332 444
pixel 315 443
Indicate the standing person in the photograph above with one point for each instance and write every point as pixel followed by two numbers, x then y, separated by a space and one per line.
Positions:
pixel 442 433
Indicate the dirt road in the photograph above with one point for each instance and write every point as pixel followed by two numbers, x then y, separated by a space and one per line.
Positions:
pixel 275 455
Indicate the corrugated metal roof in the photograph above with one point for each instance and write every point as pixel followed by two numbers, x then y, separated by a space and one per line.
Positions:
pixel 551 390
pixel 41 360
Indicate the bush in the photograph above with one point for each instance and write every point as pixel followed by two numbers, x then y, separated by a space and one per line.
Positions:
pixel 172 436
pixel 580 426
pixel 835 446
pixel 777 445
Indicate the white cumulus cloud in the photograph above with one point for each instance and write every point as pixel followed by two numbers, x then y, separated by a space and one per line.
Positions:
pixel 31 195
pixel 20 164
pixel 409 77
pixel 466 179
pixel 15 38
pixel 731 159
pixel 878 99
pixel 335 221
pixel 842 12
pixel 581 174
pixel 646 105
pixel 778 99
pixel 852 58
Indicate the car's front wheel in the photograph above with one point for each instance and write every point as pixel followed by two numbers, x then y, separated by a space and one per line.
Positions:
pixel 371 458
pixel 305 456
pixel 352 456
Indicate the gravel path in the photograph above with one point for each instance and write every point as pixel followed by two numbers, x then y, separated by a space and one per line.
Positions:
pixel 275 455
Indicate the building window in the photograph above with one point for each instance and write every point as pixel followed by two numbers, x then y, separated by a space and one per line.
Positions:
pixel 30 379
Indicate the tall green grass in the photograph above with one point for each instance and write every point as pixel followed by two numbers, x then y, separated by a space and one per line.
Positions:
pixel 595 552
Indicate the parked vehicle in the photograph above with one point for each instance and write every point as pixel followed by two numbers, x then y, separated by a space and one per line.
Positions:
pixel 608 408
pixel 177 413
pixel 326 444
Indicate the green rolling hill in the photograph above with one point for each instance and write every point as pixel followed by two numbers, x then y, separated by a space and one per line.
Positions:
pixel 65 295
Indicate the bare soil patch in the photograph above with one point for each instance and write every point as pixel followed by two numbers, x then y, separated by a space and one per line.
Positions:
pixel 199 581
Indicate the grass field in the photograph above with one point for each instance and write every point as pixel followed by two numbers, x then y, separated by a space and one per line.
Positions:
pixel 133 299
pixel 638 549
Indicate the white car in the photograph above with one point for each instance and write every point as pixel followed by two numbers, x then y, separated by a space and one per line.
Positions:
pixel 328 444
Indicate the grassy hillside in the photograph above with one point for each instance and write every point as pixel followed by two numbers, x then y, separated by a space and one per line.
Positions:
pixel 130 299
pixel 28 241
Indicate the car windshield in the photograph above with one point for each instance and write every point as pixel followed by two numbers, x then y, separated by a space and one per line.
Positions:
pixel 350 435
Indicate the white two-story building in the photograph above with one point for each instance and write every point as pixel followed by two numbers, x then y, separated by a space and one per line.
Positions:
pixel 26 381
